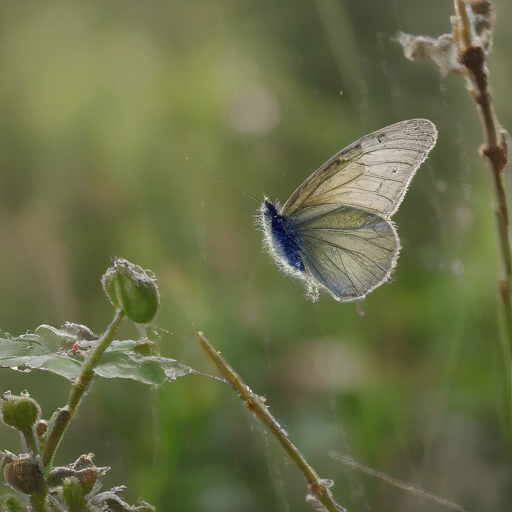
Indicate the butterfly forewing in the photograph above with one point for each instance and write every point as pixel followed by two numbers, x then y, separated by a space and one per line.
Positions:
pixel 373 173
pixel 347 251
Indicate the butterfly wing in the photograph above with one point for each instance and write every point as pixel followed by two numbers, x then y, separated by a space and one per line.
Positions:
pixel 373 173
pixel 345 250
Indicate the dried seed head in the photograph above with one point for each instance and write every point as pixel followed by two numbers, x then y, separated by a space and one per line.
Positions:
pixel 24 474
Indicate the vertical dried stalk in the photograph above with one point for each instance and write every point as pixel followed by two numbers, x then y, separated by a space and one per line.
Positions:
pixel 466 51
pixel 473 56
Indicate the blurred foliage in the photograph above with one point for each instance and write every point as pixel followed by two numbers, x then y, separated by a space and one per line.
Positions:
pixel 106 111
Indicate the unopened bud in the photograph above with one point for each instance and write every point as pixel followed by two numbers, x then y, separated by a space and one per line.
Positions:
pixel 73 493
pixel 132 290
pixel 41 428
pixel 20 412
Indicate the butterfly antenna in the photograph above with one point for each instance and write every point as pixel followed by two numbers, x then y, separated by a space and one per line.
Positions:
pixel 222 179
pixel 237 91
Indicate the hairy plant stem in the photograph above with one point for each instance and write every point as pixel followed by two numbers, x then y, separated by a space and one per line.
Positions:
pixel 255 404
pixel 30 440
pixel 63 417
pixel 38 501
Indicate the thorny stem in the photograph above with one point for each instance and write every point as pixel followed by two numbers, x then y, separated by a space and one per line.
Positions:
pixel 81 384
pixel 317 487
pixel 494 149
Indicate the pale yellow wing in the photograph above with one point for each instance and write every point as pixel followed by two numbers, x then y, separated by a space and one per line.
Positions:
pixel 373 173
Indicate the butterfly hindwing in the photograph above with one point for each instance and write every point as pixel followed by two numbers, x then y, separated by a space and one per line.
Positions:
pixel 347 251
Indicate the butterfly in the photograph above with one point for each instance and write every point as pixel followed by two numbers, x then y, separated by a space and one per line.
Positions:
pixel 335 232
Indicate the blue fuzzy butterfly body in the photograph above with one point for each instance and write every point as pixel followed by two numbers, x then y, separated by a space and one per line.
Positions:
pixel 284 239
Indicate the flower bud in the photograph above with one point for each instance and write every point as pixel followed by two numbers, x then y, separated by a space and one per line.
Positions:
pixel 41 428
pixel 132 289
pixel 73 493
pixel 20 412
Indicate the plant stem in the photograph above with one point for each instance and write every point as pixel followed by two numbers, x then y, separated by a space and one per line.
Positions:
pixel 63 417
pixel 317 487
pixel 463 39
pixel 38 501
pixel 494 150
pixel 31 440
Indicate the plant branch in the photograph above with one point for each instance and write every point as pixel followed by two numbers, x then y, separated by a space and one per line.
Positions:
pixel 30 440
pixel 318 488
pixel 38 501
pixel 462 36
pixel 473 57
pixel 467 52
pixel 63 417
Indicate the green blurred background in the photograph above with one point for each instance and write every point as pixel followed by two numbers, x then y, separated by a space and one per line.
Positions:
pixel 106 110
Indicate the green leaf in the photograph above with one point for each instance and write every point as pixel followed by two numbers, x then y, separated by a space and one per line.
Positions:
pixel 44 349
pixel 62 352
pixel 146 369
